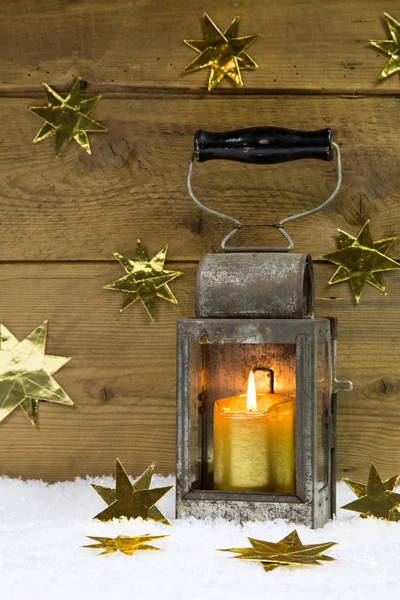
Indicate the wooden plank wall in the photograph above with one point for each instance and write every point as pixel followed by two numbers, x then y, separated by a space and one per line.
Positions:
pixel 61 219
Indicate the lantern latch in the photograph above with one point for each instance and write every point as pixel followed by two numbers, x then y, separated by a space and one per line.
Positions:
pixel 342 386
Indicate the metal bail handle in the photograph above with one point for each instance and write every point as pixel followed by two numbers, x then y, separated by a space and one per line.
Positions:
pixel 264 145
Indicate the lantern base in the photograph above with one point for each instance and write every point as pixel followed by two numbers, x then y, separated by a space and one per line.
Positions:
pixel 200 505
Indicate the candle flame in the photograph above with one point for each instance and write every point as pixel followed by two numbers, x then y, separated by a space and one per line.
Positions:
pixel 251 393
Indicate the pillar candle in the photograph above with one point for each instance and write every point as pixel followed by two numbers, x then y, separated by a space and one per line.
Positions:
pixel 254 444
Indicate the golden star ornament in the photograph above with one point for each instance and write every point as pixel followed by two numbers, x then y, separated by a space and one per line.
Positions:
pixel 67 118
pixel 26 373
pixel 132 500
pixel 223 52
pixel 145 279
pixel 390 47
pixel 287 552
pixel 361 260
pixel 123 543
pixel 376 498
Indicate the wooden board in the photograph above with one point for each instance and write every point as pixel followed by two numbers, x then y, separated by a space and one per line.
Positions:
pixel 81 207
pixel 122 372
pixel 123 44
pixel 63 218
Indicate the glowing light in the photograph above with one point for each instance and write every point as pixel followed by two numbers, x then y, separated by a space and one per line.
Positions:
pixel 251 393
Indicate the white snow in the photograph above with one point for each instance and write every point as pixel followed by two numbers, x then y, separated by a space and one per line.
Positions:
pixel 42 529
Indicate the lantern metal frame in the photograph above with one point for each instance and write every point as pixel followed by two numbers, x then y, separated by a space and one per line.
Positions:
pixel 308 505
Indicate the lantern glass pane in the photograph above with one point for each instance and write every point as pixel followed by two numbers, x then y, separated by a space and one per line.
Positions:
pixel 236 446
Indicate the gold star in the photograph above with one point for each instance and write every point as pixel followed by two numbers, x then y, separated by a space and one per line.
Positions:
pixel 376 498
pixel 390 47
pixel 223 52
pixel 132 500
pixel 287 551
pixel 26 373
pixel 145 280
pixel 67 118
pixel 123 543
pixel 361 260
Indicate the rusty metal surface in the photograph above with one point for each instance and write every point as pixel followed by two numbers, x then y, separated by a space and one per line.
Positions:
pixel 240 512
pixel 260 285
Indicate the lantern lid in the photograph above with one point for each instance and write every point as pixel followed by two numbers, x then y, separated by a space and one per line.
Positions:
pixel 255 285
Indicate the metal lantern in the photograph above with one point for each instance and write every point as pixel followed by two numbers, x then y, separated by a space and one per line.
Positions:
pixel 268 453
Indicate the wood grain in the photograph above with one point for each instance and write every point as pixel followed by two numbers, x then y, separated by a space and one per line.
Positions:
pixel 122 372
pixel 81 207
pixel 124 44
pixel 63 218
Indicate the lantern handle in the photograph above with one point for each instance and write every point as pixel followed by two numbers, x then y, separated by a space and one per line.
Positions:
pixel 280 226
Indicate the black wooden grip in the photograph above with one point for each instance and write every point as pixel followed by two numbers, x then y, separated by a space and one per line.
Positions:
pixel 263 145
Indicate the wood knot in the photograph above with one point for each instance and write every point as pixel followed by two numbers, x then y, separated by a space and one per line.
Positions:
pixel 348 469
pixel 116 152
pixel 196 224
pixel 106 394
pixel 382 388
pixel 386 387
